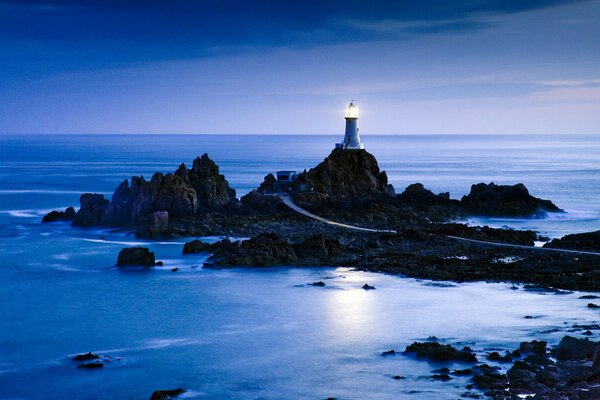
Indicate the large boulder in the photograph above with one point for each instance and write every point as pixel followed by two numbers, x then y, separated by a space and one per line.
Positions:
pixel 136 256
pixel 505 201
pixel 256 201
pixel 347 173
pixel 91 212
pixel 574 349
pixel 441 352
pixel 589 241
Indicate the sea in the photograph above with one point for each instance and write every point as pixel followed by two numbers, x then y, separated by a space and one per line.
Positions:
pixel 262 333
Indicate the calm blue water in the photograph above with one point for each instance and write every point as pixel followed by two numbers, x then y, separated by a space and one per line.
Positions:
pixel 255 334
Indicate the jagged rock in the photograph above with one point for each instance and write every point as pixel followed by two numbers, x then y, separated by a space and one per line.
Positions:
pixel 440 352
pixel 589 241
pixel 91 211
pixel 212 188
pixel 166 394
pixel 139 256
pixel 268 184
pixel 196 246
pixel 505 201
pixel 574 349
pixel 53 216
pixel 347 173
pixel 159 223
pixel 163 193
pixel 366 286
pixel 121 205
pixel 389 353
pixel 318 284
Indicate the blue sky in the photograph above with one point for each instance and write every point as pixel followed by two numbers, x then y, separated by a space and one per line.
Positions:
pixel 415 67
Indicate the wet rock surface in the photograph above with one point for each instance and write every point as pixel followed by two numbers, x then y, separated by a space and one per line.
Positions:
pixel 573 374
pixel 54 216
pixel 580 241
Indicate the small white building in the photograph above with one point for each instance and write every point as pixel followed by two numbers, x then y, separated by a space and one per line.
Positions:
pixel 351 137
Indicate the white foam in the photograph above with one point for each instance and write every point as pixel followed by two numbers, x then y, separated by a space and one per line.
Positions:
pixel 115 242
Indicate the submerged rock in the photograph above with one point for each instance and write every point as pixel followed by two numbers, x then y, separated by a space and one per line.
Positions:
pixel 92 365
pixel 505 201
pixel 366 286
pixel 54 216
pixel 136 256
pixel 166 394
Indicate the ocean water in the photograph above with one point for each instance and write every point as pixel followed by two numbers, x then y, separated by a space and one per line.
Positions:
pixel 257 333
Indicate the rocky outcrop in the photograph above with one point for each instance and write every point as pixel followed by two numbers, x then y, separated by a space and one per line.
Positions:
pixel 136 256
pixel 269 249
pixel 440 352
pixel 91 212
pixel 589 241
pixel 416 194
pixel 268 184
pixel 347 173
pixel 183 195
pixel 505 201
pixel 54 216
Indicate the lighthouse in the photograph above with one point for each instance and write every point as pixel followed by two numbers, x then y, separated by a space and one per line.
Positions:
pixel 351 138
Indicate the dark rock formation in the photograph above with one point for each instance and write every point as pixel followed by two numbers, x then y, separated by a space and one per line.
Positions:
pixel 589 241
pixel 166 394
pixel 366 286
pixel 571 348
pixel 318 247
pixel 159 223
pixel 92 210
pixel 416 194
pixel 54 216
pixel 86 357
pixel 268 184
pixel 264 250
pixel 256 201
pixel 92 365
pixel 389 353
pixel 183 196
pixel 196 246
pixel 318 284
pixel 440 352
pixel 505 201
pixel 136 256
pixel 347 173
pixel 534 347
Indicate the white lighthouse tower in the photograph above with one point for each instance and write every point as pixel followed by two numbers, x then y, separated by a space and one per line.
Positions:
pixel 351 138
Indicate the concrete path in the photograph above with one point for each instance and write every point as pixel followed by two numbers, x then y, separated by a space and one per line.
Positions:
pixel 287 200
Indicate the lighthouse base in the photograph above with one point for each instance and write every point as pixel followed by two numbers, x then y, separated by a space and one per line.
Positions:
pixel 345 146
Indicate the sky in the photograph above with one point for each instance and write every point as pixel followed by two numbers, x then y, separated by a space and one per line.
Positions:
pixel 279 67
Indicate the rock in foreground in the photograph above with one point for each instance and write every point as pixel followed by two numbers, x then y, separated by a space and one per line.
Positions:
pixel 136 256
